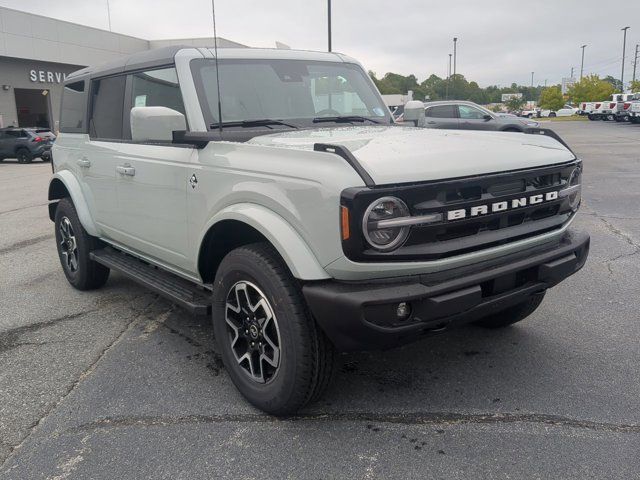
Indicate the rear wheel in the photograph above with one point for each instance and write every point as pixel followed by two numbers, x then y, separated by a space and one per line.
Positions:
pixel 24 156
pixel 513 314
pixel 271 346
pixel 74 246
pixel 591 117
pixel 626 118
pixel 552 114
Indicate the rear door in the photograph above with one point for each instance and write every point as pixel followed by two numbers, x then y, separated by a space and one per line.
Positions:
pixel 97 157
pixel 472 118
pixel 441 116
pixel 154 176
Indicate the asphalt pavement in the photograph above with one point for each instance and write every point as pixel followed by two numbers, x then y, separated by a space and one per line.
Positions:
pixel 119 383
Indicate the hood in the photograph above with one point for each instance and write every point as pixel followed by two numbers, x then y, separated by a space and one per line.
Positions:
pixel 396 154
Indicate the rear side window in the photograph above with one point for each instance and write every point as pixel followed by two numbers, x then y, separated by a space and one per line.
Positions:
pixel 107 101
pixel 74 108
pixel 441 111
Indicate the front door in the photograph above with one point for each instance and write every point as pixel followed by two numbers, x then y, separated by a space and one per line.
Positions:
pixel 472 118
pixel 152 177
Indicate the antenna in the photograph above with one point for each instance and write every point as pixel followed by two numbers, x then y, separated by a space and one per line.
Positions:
pixel 215 52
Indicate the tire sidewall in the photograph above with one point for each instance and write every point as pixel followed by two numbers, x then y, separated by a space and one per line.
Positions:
pixel 66 209
pixel 25 154
pixel 235 268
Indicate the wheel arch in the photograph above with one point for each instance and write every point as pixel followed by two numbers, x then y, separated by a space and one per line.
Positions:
pixel 65 185
pixel 242 224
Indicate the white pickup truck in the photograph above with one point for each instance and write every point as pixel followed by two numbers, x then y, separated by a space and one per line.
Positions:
pixel 634 112
pixel 613 109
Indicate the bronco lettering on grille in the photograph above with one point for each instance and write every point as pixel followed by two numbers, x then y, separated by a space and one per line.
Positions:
pixel 501 206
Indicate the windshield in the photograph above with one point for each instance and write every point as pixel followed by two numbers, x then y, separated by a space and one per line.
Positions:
pixel 294 91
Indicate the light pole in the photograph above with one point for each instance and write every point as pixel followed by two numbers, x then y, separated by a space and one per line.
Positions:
pixel 329 23
pixel 582 64
pixel 624 48
pixel 446 95
pixel 455 41
pixel 531 79
pixel 635 62
pixel 571 76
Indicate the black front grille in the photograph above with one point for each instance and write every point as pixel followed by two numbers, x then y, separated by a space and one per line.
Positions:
pixel 473 232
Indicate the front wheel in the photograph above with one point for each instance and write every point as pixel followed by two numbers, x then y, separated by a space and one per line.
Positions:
pixel 271 346
pixel 513 314
pixel 24 156
pixel 74 246
pixel 552 115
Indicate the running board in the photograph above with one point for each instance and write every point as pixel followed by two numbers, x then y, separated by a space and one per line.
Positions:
pixel 178 290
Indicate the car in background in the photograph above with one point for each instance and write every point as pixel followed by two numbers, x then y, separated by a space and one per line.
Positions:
pixel 463 115
pixel 565 111
pixel 26 144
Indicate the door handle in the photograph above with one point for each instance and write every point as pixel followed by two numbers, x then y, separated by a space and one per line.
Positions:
pixel 84 163
pixel 126 170
pixel 431 123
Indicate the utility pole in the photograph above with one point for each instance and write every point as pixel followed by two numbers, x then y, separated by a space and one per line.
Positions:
pixel 571 76
pixel 446 95
pixel 329 23
pixel 624 47
pixel 109 14
pixel 531 79
pixel 635 63
pixel 455 41
pixel 582 64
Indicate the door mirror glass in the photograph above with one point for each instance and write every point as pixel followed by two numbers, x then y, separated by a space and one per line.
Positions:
pixel 155 124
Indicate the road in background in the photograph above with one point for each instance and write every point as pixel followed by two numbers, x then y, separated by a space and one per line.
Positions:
pixel 118 383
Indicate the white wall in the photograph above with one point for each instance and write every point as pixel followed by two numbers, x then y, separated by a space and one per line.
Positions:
pixel 34 37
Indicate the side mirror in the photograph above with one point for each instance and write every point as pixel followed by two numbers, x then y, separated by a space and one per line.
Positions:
pixel 414 112
pixel 155 124
pixel 487 117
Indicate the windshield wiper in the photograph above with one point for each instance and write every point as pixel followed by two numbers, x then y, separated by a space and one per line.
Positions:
pixel 264 122
pixel 345 119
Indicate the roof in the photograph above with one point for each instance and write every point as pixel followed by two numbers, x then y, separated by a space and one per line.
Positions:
pixel 166 55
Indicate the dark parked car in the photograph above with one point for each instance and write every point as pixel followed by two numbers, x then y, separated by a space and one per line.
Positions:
pixel 25 144
pixel 456 114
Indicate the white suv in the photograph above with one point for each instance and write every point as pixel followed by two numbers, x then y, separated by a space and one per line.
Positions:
pixel 272 190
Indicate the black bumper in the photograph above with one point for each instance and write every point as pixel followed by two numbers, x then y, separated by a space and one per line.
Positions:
pixel 362 315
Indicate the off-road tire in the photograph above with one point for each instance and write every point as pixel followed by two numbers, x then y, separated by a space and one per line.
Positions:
pixel 307 357
pixel 89 275
pixel 23 155
pixel 513 314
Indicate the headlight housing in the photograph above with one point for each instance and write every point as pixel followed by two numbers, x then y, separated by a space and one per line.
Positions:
pixel 574 184
pixel 379 235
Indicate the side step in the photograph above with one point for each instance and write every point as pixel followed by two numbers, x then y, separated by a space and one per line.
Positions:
pixel 178 290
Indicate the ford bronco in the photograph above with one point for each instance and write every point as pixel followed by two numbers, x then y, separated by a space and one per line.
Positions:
pixel 272 191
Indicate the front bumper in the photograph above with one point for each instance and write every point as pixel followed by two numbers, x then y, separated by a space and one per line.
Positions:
pixel 362 315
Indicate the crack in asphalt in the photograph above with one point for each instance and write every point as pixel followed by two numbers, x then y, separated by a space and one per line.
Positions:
pixel 25 243
pixel 23 208
pixel 9 338
pixel 418 418
pixel 136 314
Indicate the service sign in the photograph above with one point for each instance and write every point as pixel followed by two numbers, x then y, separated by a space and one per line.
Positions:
pixel 46 76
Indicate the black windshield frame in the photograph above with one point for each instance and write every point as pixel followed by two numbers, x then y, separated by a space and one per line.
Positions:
pixel 211 117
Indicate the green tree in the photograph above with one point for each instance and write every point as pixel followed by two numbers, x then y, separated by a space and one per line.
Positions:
pixel 634 86
pixel 515 104
pixel 551 99
pixel 590 89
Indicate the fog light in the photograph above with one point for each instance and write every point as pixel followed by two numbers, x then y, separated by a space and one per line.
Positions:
pixel 403 311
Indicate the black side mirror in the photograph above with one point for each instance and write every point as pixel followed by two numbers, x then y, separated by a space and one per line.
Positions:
pixel 487 117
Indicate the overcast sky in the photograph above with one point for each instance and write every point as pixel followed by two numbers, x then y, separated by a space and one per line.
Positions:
pixel 500 41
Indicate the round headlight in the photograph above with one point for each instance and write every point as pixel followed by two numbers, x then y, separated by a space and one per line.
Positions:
pixel 380 234
pixel 575 180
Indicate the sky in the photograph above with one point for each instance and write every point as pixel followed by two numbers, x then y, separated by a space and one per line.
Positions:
pixel 499 41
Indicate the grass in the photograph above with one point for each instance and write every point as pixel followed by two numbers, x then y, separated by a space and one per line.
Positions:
pixel 572 118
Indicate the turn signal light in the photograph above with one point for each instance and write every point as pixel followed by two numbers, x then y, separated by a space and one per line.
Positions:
pixel 344 222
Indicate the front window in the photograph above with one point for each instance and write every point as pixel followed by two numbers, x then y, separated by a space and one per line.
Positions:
pixel 471 113
pixel 297 92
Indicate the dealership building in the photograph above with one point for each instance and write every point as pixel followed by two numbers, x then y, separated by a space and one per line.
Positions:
pixel 36 54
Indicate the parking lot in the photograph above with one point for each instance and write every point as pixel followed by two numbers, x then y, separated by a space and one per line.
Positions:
pixel 118 383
